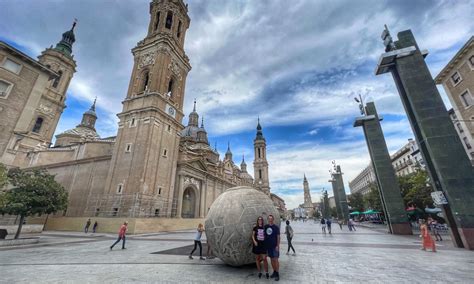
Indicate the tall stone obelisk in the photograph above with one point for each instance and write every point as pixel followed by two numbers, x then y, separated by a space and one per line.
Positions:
pixel 341 192
pixel 450 170
pixel 387 182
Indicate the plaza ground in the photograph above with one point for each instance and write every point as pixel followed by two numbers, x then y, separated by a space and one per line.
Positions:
pixel 367 255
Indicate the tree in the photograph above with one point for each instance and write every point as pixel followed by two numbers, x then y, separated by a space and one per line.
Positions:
pixel 3 176
pixel 372 199
pixel 356 201
pixel 333 212
pixel 416 190
pixel 33 192
pixel 316 214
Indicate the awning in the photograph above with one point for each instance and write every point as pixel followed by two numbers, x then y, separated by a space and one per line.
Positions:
pixel 355 213
pixel 371 212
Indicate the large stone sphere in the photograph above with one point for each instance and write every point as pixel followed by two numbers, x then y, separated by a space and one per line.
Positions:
pixel 230 222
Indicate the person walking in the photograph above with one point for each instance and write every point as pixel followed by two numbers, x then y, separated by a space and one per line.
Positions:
pixel 197 242
pixel 351 225
pixel 121 235
pixel 258 247
pixel 328 223
pixel 289 237
pixel 433 224
pixel 323 225
pixel 88 224
pixel 272 243
pixel 94 227
pixel 340 224
pixel 427 241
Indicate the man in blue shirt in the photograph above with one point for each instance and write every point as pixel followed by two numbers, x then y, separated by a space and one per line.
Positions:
pixel 272 242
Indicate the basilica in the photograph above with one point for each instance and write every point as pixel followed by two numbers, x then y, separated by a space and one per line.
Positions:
pixel 155 166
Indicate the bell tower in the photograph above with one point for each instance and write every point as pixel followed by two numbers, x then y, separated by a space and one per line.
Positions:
pixel 144 160
pixel 260 164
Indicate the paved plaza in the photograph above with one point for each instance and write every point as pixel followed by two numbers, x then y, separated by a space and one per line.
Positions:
pixel 368 255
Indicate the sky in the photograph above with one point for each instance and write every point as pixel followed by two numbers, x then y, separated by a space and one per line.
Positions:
pixel 295 64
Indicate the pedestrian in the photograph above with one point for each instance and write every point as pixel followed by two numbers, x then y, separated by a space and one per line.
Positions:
pixel 289 237
pixel 272 243
pixel 434 229
pixel 340 224
pixel 86 227
pixel 94 227
pixel 258 247
pixel 323 225
pixel 328 223
pixel 351 225
pixel 121 235
pixel 427 241
pixel 197 242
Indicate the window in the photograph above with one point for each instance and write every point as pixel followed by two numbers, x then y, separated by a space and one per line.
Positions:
pixel 468 146
pixel 259 152
pixel 169 128
pixel 178 33
pixel 5 88
pixel 119 188
pixel 12 66
pixel 458 125
pixel 170 86
pixel 471 61
pixel 157 212
pixel 466 99
pixel 38 124
pixel 133 122
pixel 260 174
pixel 157 21
pixel 56 81
pixel 97 211
pixel 159 190
pixel 165 153
pixel 114 212
pixel 128 148
pixel 456 78
pixel 169 20
pixel 146 79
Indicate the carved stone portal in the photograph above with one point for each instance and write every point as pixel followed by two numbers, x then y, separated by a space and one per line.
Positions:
pixel 230 222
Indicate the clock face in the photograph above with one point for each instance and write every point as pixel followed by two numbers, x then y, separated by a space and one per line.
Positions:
pixel 171 110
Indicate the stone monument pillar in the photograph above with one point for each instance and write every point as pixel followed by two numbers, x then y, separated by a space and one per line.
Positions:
pixel 448 165
pixel 387 182
pixel 341 193
pixel 336 196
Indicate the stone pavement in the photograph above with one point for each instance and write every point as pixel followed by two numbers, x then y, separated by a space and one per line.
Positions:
pixel 363 256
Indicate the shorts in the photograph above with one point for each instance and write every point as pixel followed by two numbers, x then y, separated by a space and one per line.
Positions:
pixel 259 249
pixel 273 253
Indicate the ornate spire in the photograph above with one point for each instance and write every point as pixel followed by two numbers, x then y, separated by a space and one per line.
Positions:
pixel 65 45
pixel 243 165
pixel 305 180
pixel 215 147
pixel 202 122
pixel 194 117
pixel 228 154
pixel 259 131
pixel 194 108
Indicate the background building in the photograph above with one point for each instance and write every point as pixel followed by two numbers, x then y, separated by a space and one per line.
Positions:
pixel 457 78
pixel 361 183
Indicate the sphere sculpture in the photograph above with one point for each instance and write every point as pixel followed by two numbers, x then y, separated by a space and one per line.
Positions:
pixel 230 222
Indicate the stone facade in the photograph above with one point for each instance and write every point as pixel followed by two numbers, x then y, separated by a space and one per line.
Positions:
pixel 32 95
pixel 308 204
pixel 457 78
pixel 407 159
pixel 361 183
pixel 155 166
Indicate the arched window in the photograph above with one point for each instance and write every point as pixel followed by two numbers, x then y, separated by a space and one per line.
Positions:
pixel 146 79
pixel 259 152
pixel 38 124
pixel 157 21
pixel 178 33
pixel 169 20
pixel 260 174
pixel 56 81
pixel 170 86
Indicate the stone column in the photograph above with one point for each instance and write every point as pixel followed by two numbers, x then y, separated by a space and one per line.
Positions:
pixel 342 204
pixel 180 196
pixel 446 161
pixel 336 196
pixel 202 199
pixel 389 188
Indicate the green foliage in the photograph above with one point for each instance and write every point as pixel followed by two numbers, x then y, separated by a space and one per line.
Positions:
pixel 333 212
pixel 356 201
pixel 372 199
pixel 33 192
pixel 416 189
pixel 316 214
pixel 3 176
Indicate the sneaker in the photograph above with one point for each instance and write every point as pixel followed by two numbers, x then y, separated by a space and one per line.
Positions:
pixel 110 248
pixel 266 275
pixel 287 253
pixel 190 257
pixel 124 248
pixel 202 258
pixel 260 275
pixel 277 277
pixel 273 275
pixel 294 253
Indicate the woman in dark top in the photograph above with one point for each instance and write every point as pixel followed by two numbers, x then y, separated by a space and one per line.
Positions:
pixel 259 249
